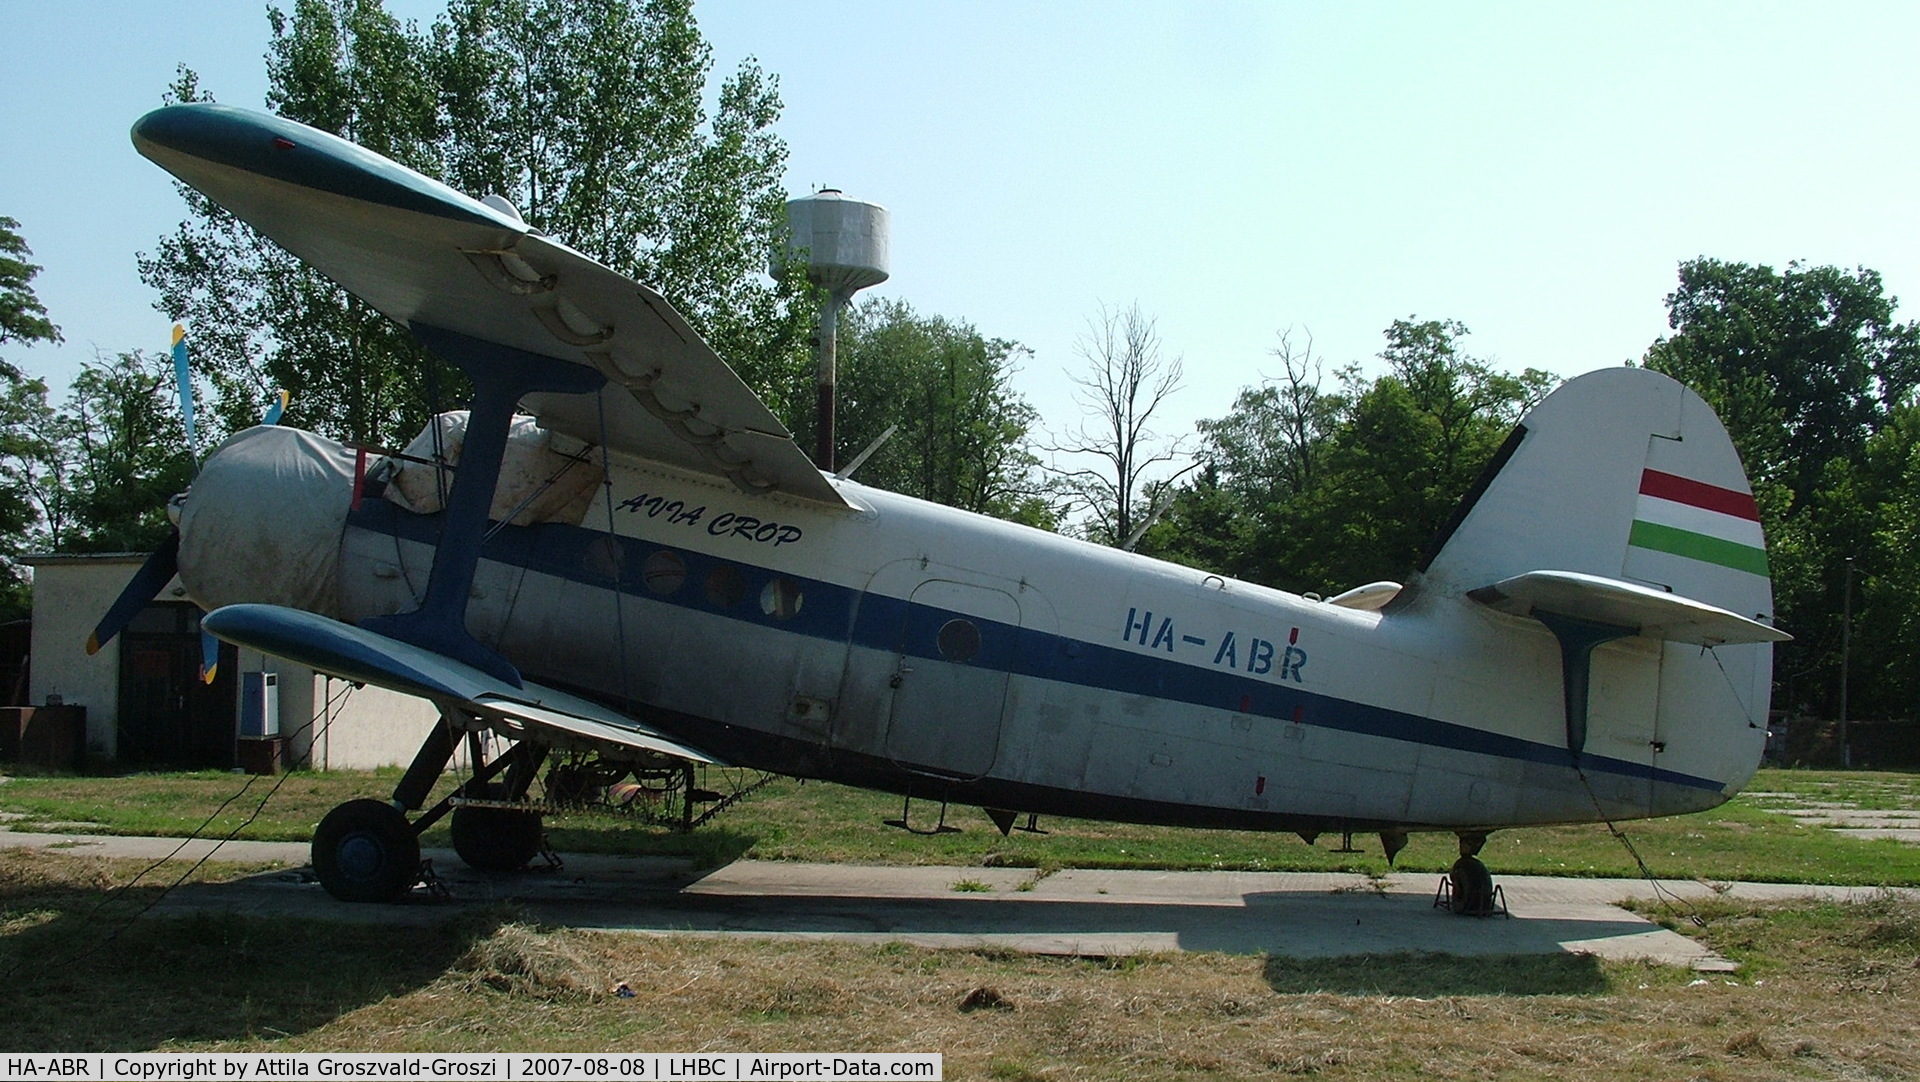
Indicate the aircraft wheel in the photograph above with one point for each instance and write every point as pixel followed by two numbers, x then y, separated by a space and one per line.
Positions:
pixel 495 839
pixel 1472 887
pixel 366 851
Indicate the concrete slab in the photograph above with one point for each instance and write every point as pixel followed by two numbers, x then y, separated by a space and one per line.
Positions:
pixel 105 845
pixel 1074 912
pixel 1910 835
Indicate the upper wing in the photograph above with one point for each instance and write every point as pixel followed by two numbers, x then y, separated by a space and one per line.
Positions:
pixel 423 253
pixel 352 653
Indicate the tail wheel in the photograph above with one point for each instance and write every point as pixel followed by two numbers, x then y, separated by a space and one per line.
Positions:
pixel 366 851
pixel 1472 887
pixel 495 839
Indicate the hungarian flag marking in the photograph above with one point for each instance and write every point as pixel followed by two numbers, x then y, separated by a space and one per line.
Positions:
pixel 1698 521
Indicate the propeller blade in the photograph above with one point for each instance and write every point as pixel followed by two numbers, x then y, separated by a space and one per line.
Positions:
pixel 183 377
pixel 145 585
pixel 274 411
pixel 209 656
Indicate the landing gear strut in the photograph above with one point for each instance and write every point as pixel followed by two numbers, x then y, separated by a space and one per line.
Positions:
pixel 367 851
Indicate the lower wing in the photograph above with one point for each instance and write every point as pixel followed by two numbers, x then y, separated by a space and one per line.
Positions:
pixel 352 653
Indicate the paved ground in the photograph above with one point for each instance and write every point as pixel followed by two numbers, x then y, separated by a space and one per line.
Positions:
pixel 1899 825
pixel 1071 912
pixel 1845 817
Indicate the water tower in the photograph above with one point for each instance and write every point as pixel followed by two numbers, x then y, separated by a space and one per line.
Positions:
pixel 843 243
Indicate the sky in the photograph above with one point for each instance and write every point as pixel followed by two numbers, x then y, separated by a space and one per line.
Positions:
pixel 1535 171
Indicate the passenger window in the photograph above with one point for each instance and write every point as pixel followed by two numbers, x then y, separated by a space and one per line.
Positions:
pixel 725 587
pixel 664 572
pixel 959 640
pixel 780 599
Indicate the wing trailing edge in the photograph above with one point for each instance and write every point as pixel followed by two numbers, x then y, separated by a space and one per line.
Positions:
pixel 354 653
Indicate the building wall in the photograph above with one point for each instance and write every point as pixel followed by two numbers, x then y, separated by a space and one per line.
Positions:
pixel 363 727
pixel 326 723
pixel 69 597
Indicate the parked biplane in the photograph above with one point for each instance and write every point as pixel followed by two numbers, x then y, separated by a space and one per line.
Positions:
pixel 635 563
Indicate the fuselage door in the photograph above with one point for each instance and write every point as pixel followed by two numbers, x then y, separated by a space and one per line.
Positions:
pixel 956 645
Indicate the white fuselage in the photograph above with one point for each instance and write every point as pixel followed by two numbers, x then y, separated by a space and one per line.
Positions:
pixel 909 646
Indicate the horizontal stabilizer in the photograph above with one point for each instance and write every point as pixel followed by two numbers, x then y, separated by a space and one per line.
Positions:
pixel 1649 612
pixel 354 653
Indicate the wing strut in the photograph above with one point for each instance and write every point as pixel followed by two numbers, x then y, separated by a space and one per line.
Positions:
pixel 501 376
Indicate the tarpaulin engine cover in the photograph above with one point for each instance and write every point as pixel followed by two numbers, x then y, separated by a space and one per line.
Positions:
pixel 266 515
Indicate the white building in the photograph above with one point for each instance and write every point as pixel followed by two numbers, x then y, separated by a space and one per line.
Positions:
pixel 147 706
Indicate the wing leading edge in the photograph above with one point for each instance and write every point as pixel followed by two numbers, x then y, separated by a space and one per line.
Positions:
pixel 425 254
pixel 352 653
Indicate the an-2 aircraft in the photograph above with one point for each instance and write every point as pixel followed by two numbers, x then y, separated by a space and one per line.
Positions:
pixel 651 567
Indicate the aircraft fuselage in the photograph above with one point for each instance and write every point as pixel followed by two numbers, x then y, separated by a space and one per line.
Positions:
pixel 907 646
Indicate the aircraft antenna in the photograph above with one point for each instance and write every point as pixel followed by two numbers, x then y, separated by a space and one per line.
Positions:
pixel 843 244
pixel 860 459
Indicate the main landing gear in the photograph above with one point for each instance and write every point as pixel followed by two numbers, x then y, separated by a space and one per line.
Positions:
pixel 368 851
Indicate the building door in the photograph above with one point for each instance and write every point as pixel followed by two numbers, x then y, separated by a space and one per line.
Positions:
pixel 168 717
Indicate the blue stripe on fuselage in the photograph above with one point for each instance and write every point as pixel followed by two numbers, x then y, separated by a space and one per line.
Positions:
pixel 842 614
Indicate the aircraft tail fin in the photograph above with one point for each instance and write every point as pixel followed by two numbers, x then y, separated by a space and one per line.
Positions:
pixel 1622 475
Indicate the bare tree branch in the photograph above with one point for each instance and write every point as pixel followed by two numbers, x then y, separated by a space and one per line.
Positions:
pixel 1126 378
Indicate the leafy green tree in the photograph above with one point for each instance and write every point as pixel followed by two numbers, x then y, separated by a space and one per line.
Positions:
pixel 1261 463
pixel 589 117
pixel 1815 380
pixel 962 428
pixel 129 453
pixel 1312 491
pixel 1410 445
pixel 23 418
pixel 22 317
pixel 1803 365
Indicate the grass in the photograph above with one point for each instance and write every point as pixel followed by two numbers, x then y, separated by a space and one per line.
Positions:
pixel 1827 992
pixel 1749 838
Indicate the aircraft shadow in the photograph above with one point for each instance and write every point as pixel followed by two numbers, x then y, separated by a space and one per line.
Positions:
pixel 1289 927
pixel 1354 942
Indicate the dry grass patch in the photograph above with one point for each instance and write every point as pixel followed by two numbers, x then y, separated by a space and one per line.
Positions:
pixel 1828 992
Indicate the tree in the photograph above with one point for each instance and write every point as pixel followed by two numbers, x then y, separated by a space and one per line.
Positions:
pixel 1411 444
pixel 1311 491
pixel 962 430
pixel 587 116
pixel 1815 381
pixel 1125 380
pixel 22 317
pixel 23 413
pixel 129 455
pixel 1802 366
pixel 1267 455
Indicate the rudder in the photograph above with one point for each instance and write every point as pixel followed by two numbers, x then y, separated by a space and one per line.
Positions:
pixel 1622 474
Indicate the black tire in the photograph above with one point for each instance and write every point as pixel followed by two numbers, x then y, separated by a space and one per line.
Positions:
pixel 366 851
pixel 495 839
pixel 1472 887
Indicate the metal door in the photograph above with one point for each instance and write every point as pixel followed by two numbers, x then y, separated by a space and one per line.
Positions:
pixel 167 716
pixel 957 643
